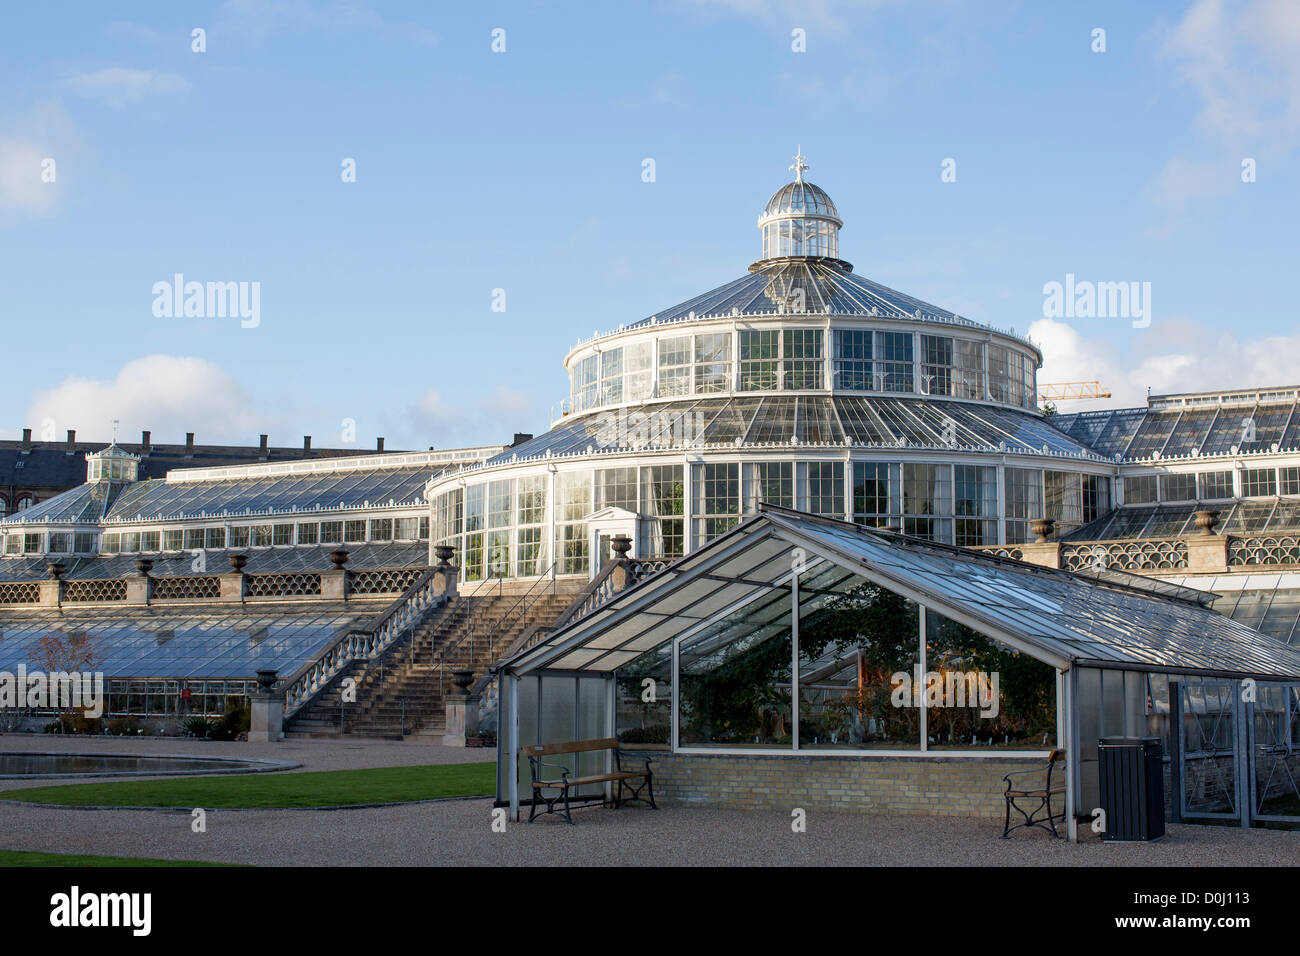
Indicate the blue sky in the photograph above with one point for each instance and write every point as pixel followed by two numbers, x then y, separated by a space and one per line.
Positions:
pixel 522 171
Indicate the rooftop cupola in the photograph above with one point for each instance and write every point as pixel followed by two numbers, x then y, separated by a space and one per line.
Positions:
pixel 800 220
pixel 112 464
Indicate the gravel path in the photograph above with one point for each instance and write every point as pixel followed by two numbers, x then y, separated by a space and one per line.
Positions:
pixel 459 831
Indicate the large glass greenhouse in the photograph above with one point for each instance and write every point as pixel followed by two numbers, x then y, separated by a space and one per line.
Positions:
pixel 806 639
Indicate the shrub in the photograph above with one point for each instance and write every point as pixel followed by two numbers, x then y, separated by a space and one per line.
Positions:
pixel 74 723
pixel 232 723
pixel 654 734
pixel 198 726
pixel 123 726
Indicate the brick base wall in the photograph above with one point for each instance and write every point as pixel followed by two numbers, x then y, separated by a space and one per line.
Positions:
pixel 950 786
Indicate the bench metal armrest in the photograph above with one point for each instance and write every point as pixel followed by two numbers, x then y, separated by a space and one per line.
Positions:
pixel 634 754
pixel 1041 772
pixel 537 763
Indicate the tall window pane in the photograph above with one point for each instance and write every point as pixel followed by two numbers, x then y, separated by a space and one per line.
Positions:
pixel 1024 502
pixel 769 481
pixel 675 366
pixel 894 362
pixel 734 679
pixel 759 359
pixel 802 367
pixel 713 363
pixel 717 499
pixel 663 504
pixel 936 365
pixel 824 490
pixel 876 494
pixel 852 359
pixel 857 644
pixel 975 504
pixel 927 501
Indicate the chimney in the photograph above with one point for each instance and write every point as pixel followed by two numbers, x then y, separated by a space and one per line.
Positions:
pixel 72 440
pixel 146 440
pixel 189 444
pixel 306 443
pixel 27 439
pixel 262 444
pixel 520 438
pixel 379 444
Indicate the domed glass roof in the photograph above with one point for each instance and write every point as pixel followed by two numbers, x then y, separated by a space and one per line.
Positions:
pixel 800 221
pixel 800 199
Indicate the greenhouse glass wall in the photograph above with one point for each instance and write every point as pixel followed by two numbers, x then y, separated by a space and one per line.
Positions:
pixel 795 636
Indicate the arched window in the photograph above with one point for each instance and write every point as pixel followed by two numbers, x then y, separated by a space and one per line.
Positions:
pixel 4 506
pixel 25 502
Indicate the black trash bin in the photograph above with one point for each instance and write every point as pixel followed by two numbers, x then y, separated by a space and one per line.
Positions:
pixel 1132 781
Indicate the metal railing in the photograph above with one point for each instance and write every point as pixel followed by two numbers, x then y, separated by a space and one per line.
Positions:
pixel 363 643
pixel 482 637
pixel 1143 554
pixel 1264 550
pixel 598 590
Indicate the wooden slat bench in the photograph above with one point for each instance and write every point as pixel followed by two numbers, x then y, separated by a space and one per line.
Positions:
pixel 1052 785
pixel 623 779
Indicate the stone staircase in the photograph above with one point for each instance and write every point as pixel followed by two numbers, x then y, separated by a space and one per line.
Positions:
pixel 402 691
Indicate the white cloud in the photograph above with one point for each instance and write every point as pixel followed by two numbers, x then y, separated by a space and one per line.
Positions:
pixel 20 177
pixel 506 402
pixel 1182 181
pixel 135 32
pixel 120 86
pixel 167 394
pixel 256 21
pixel 828 17
pixel 489 419
pixel 45 133
pixel 1171 357
pixel 1243 62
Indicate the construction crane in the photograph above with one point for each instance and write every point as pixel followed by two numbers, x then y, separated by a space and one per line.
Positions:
pixel 1071 391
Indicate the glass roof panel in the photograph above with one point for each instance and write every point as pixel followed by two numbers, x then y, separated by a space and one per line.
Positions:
pixel 1119 431
pixel 875 421
pixel 1053 614
pixel 1152 435
pixel 1190 431
pixel 184 642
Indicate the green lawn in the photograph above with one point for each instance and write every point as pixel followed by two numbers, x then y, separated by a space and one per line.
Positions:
pixel 26 858
pixel 327 788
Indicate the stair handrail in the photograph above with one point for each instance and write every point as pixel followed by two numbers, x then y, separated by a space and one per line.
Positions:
pixel 439 654
pixel 547 577
pixel 362 643
pixel 593 594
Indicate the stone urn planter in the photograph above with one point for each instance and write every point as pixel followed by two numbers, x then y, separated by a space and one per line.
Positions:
pixel 237 561
pixel 462 679
pixel 266 679
pixel 1042 527
pixel 339 557
pixel 1206 520
pixel 443 553
pixel 56 569
pixel 144 565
